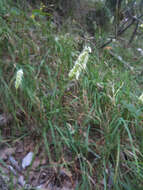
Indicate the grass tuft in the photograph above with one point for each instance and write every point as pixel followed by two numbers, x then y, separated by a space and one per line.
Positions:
pixel 92 126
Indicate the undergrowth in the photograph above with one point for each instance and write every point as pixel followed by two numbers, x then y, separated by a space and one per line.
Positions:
pixel 97 120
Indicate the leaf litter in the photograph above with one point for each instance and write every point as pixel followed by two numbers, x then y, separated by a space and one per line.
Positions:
pixel 31 169
pixel 27 160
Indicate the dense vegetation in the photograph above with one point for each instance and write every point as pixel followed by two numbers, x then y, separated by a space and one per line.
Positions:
pixel 92 126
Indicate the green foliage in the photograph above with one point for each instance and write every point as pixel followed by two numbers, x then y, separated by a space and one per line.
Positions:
pixel 97 120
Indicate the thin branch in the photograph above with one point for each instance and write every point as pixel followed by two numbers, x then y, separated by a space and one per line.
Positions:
pixel 119 58
pixel 120 32
pixel 134 33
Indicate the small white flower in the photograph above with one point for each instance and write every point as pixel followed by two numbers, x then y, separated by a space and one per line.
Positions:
pixel 56 39
pixel 80 63
pixel 141 98
pixel 140 50
pixel 87 49
pixel 18 80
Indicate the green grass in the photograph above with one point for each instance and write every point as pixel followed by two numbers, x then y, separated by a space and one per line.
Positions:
pixel 97 120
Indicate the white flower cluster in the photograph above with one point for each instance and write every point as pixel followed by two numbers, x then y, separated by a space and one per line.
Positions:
pixel 141 98
pixel 80 63
pixel 18 80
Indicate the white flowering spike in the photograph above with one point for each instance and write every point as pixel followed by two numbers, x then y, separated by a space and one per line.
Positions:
pixel 141 98
pixel 18 80
pixel 80 63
